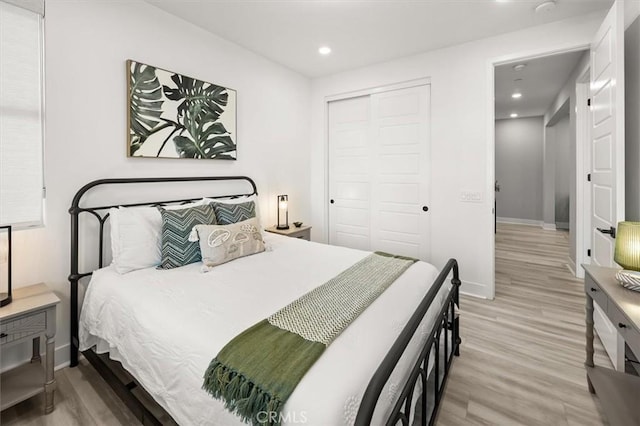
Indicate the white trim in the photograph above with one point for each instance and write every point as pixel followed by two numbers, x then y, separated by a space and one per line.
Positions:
pixel 583 167
pixel 474 289
pixel 517 221
pixel 572 267
pixel 379 89
pixel 549 226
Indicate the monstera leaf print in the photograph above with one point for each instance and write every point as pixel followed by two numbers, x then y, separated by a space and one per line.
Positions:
pixel 206 137
pixel 199 110
pixel 145 94
pixel 178 116
pixel 198 97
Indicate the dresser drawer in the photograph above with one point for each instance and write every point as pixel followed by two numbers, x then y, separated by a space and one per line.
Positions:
pixel 630 335
pixel 21 327
pixel 596 293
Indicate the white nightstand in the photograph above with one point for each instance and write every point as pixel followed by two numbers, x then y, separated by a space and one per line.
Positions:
pixel 31 314
pixel 304 232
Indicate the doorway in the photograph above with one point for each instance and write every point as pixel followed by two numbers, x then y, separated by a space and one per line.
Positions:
pixel 536 147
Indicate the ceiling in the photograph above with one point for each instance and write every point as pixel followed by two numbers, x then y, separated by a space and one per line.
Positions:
pixel 362 32
pixel 541 81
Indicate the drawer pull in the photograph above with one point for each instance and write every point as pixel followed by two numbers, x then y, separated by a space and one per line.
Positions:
pixel 621 325
pixel 594 289
pixel 3 335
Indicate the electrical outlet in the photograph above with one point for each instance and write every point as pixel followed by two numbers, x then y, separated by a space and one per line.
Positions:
pixel 471 196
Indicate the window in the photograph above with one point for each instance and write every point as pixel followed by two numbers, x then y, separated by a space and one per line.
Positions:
pixel 21 113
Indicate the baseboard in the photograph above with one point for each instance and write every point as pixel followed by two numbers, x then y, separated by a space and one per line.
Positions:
pixel 549 226
pixel 517 221
pixel 562 225
pixel 22 354
pixel 470 288
pixel 571 265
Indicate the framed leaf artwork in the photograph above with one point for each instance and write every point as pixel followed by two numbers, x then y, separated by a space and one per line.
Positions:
pixel 175 116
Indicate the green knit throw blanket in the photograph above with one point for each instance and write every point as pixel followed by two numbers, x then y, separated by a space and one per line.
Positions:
pixel 257 371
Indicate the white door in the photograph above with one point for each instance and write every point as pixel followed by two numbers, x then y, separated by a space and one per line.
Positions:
pixel 379 172
pixel 607 134
pixel 607 158
pixel 349 173
pixel 400 172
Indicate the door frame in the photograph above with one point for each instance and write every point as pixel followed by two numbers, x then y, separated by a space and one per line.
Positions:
pixel 583 189
pixel 491 136
pixel 349 95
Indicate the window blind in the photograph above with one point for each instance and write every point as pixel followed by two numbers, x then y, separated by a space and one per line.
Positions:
pixel 21 116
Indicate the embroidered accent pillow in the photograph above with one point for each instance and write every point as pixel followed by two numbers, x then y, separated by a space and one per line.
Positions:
pixel 176 249
pixel 221 243
pixel 228 213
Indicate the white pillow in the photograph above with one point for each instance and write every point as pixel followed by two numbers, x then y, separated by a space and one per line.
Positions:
pixel 136 236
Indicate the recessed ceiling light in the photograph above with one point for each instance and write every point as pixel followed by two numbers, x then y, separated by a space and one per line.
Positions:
pixel 324 50
pixel 516 95
pixel 519 67
pixel 546 7
pixel 514 115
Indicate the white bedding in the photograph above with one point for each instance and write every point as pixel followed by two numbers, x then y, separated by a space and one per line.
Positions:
pixel 165 326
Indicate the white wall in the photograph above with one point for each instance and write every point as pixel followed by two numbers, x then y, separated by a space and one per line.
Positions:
pixel 562 144
pixel 519 169
pixel 87 43
pixel 632 123
pixel 461 135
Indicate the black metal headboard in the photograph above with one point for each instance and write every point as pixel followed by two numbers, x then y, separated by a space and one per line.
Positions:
pixel 101 214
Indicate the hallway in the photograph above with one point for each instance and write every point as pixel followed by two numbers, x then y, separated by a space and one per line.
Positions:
pixel 522 354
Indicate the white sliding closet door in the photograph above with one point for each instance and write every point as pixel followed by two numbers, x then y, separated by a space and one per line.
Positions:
pixel 350 173
pixel 379 172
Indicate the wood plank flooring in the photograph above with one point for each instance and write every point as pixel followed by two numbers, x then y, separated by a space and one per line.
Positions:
pixel 522 354
pixel 521 358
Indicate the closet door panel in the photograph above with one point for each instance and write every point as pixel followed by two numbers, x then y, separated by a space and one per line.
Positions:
pixel 400 172
pixel 349 173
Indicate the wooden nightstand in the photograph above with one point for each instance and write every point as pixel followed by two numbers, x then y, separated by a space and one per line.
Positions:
pixel 31 314
pixel 618 392
pixel 303 233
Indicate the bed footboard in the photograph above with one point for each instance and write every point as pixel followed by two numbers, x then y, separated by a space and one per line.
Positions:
pixel 433 363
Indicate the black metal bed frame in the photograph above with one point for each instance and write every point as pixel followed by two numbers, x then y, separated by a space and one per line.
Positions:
pixel 445 331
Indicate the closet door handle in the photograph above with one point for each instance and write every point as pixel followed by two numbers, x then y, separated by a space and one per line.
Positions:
pixel 331 201
pixel 425 208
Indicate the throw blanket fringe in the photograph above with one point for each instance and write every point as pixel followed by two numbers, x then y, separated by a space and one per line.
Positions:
pixel 257 371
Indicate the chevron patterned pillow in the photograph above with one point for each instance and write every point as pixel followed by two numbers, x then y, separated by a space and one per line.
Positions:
pixel 176 249
pixel 228 213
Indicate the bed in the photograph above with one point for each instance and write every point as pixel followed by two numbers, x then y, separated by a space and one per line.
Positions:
pixel 388 367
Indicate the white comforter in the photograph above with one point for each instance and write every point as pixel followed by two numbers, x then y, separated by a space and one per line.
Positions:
pixel 165 326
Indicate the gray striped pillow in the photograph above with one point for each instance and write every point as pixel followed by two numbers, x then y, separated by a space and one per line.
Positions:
pixel 228 213
pixel 176 248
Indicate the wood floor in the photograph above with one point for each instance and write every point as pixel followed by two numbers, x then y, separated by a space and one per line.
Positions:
pixel 521 358
pixel 522 354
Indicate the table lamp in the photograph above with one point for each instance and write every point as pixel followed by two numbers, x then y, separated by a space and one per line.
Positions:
pixel 283 212
pixel 627 254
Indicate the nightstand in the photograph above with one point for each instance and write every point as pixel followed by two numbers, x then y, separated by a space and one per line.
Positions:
pixel 617 391
pixel 303 233
pixel 31 314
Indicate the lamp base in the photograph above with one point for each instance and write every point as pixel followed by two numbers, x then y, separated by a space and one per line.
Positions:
pixel 629 279
pixel 282 227
pixel 5 299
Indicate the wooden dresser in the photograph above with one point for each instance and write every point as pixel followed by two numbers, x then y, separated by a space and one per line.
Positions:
pixel 618 392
